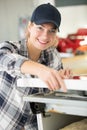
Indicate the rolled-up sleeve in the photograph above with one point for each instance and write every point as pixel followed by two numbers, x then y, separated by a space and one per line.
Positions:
pixel 10 60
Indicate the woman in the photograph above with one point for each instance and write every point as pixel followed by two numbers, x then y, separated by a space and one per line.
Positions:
pixel 35 56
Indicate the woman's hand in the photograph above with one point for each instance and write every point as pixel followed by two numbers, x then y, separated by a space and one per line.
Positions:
pixel 66 73
pixel 53 78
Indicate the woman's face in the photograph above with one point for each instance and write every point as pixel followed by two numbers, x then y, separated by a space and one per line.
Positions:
pixel 42 36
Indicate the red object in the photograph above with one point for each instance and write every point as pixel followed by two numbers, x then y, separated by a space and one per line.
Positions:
pixel 82 31
pixel 72 41
pixel 67 45
pixel 76 77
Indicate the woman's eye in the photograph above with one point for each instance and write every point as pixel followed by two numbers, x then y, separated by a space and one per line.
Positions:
pixel 52 31
pixel 39 28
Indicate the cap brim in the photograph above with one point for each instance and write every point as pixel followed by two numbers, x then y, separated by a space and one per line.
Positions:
pixel 47 21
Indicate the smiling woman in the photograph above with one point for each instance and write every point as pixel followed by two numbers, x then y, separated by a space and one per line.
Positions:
pixel 34 56
pixel 42 36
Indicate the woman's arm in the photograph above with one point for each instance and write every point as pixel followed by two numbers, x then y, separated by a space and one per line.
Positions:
pixel 50 76
pixel 10 60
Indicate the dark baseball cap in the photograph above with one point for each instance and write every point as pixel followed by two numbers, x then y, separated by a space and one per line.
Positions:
pixel 46 13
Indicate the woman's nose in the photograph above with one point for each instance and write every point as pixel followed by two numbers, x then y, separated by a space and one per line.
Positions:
pixel 45 34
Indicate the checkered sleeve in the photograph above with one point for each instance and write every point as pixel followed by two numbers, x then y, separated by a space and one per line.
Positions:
pixel 53 58
pixel 14 113
pixel 10 60
pixel 57 61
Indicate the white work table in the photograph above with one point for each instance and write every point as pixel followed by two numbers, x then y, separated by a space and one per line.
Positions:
pixel 68 105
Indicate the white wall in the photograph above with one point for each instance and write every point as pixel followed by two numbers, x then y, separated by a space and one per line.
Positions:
pixel 11 10
pixel 73 17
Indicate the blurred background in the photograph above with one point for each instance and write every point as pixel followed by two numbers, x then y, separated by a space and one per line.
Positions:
pixel 72 38
pixel 14 16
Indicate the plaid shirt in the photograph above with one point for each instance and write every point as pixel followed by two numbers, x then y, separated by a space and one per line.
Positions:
pixel 14 113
